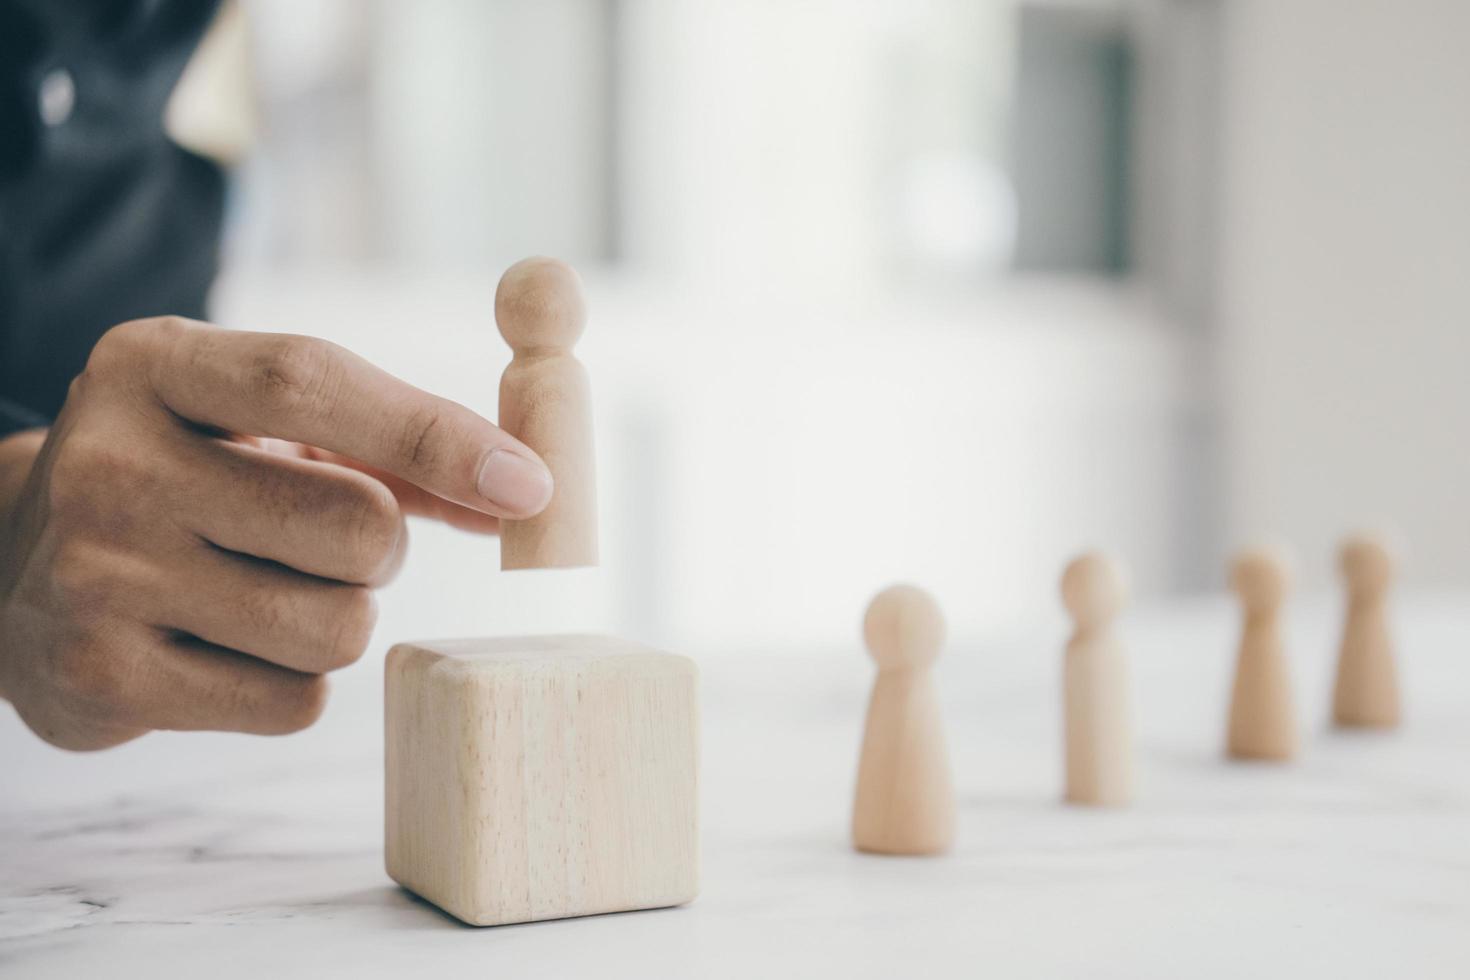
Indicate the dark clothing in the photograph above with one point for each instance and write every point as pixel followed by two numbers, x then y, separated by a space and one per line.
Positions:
pixel 103 219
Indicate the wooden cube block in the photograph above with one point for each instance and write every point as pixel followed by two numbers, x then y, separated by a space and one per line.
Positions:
pixel 542 777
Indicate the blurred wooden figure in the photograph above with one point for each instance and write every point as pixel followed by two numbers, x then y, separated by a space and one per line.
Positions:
pixel 546 402
pixel 1099 726
pixel 1366 694
pixel 1262 719
pixel 905 800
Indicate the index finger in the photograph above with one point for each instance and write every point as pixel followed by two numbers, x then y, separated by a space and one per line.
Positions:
pixel 312 391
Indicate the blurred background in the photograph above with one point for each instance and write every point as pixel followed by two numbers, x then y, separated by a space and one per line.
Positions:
pixel 941 291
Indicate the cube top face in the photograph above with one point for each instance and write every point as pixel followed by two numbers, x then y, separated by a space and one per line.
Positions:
pixel 541 777
pixel 545 653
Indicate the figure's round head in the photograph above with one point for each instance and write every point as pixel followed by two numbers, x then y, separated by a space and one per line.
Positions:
pixel 903 628
pixel 539 303
pixel 1094 588
pixel 1261 576
pixel 1367 562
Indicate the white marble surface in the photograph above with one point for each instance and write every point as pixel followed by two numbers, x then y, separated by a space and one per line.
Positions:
pixel 234 857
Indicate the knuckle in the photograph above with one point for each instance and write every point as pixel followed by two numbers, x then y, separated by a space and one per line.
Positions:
pixel 302 704
pixel 354 627
pixel 71 464
pixel 374 524
pixel 118 344
pixel 291 373
pixel 93 476
pixel 72 665
pixel 108 462
pixel 124 343
pixel 92 673
pixel 69 490
pixel 264 611
pixel 416 443
pixel 82 582
pixel 82 385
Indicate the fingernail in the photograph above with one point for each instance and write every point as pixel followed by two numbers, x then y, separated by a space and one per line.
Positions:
pixel 515 483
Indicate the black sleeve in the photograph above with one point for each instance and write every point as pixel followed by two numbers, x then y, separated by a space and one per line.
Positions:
pixel 103 219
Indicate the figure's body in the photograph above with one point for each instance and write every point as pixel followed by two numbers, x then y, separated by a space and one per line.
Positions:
pixel 1097 702
pixel 1366 693
pixel 905 800
pixel 1262 719
pixel 546 402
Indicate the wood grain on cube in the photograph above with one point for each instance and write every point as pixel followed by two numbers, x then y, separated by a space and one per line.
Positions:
pixel 544 777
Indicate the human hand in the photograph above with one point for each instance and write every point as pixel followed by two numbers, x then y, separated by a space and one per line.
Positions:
pixel 195 543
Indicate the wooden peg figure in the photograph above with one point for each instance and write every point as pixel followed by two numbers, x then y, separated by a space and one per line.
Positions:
pixel 905 800
pixel 1097 701
pixel 1366 694
pixel 546 402
pixel 1262 719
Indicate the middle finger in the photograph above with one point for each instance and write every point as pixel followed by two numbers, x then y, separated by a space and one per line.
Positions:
pixel 316 517
pixel 257 607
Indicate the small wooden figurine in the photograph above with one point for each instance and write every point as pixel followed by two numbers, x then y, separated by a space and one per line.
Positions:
pixel 546 403
pixel 1097 701
pixel 905 800
pixel 1366 694
pixel 1262 719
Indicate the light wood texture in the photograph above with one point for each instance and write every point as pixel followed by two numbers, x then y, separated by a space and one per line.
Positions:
pixel 1366 693
pixel 905 797
pixel 541 777
pixel 1097 700
pixel 546 402
pixel 1262 718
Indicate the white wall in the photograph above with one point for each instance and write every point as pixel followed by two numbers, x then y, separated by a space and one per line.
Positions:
pixel 766 464
pixel 491 129
pixel 808 144
pixel 1345 331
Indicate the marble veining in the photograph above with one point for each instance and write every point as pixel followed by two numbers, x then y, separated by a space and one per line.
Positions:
pixel 232 857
